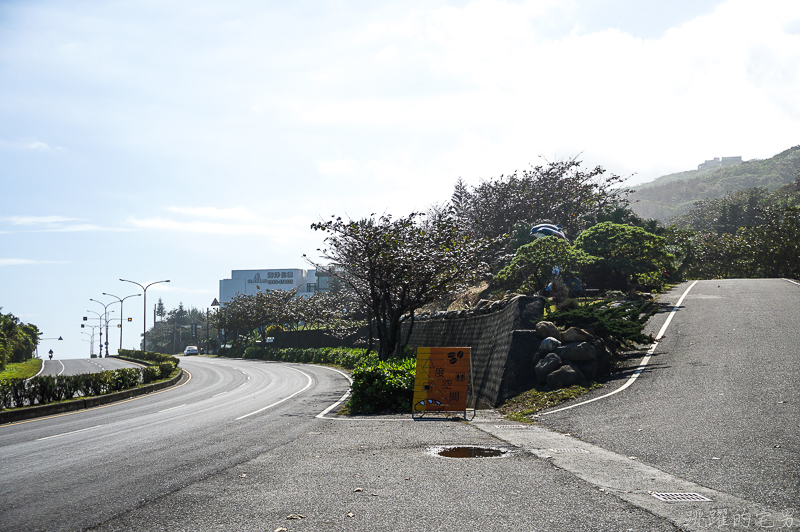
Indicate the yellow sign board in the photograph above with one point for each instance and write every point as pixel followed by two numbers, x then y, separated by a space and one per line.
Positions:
pixel 442 379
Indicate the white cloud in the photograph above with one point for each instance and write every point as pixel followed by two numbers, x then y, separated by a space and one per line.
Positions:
pixel 36 220
pixel 278 230
pixel 30 145
pixel 26 262
pixel 721 84
pixel 55 224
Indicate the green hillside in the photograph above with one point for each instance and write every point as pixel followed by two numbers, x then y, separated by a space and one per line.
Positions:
pixel 674 194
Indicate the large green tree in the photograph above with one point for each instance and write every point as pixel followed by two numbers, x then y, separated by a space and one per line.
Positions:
pixel 533 264
pixel 560 192
pixel 630 256
pixel 18 340
pixel 395 266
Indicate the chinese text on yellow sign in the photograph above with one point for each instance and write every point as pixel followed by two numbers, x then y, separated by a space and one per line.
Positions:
pixel 442 379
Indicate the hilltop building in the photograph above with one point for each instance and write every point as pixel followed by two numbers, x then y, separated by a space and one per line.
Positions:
pixel 716 162
pixel 250 282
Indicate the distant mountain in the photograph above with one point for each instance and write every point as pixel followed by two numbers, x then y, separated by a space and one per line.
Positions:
pixel 674 194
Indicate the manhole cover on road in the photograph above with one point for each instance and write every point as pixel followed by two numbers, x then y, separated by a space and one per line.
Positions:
pixel 468 452
pixel 681 497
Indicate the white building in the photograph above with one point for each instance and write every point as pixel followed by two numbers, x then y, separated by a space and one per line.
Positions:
pixel 250 282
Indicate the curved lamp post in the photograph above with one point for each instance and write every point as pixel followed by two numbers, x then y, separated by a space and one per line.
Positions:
pixel 100 319
pixel 91 342
pixel 105 310
pixel 144 305
pixel 121 316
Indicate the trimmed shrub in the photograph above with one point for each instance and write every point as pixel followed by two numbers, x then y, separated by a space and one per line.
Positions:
pixel 383 386
pixel 166 369
pixel 150 374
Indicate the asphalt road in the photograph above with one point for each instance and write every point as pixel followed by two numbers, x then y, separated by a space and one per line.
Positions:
pixel 240 447
pixel 77 366
pixel 719 403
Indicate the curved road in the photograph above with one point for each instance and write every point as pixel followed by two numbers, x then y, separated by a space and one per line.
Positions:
pixel 77 366
pixel 71 471
pixel 719 403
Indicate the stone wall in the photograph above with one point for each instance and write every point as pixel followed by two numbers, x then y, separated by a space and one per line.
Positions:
pixel 502 345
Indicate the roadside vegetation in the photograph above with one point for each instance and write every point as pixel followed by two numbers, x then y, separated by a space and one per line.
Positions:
pixel 525 405
pixel 44 389
pixel 18 340
pixel 21 370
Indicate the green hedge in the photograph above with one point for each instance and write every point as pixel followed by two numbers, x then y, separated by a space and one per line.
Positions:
pixel 339 356
pixel 148 356
pixel 45 389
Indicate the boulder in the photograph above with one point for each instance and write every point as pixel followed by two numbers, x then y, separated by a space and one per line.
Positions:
pixel 550 344
pixel 577 352
pixel 603 358
pixel 547 365
pixel 565 376
pixel 574 334
pixel 540 354
pixel 547 329
pixel 588 369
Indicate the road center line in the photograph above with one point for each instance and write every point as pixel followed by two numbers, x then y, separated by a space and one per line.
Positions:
pixel 62 368
pixel 65 433
pixel 171 408
pixel 220 393
pixel 307 386
pixel 642 364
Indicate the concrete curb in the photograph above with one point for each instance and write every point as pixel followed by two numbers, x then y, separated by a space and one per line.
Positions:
pixel 32 412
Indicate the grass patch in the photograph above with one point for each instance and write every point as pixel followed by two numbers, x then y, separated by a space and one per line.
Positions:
pixel 22 370
pixel 519 408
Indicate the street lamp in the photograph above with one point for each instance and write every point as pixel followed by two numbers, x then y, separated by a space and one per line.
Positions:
pixel 121 316
pixel 144 306
pixel 105 309
pixel 100 319
pixel 93 327
pixel 91 342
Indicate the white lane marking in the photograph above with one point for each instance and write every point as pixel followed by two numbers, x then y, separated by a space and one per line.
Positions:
pixel 322 414
pixel 793 282
pixel 65 433
pixel 38 373
pixel 242 384
pixel 642 364
pixel 220 393
pixel 170 408
pixel 62 368
pixel 307 386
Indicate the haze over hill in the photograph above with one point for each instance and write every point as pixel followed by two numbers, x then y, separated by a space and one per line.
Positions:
pixel 674 194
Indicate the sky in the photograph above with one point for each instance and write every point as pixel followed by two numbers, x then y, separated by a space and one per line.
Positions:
pixel 181 140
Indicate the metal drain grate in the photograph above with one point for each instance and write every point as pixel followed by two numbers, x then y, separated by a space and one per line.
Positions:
pixel 681 497
pixel 569 450
pixel 511 426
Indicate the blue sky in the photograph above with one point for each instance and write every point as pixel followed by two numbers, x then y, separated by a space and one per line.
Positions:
pixel 182 140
